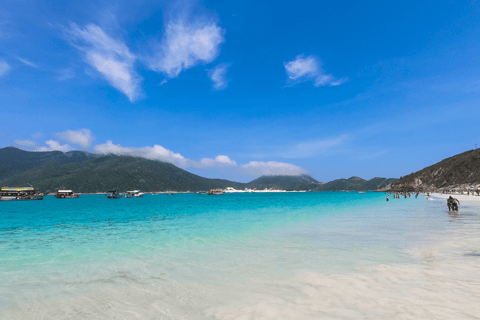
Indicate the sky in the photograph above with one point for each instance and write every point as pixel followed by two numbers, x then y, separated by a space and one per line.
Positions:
pixel 239 89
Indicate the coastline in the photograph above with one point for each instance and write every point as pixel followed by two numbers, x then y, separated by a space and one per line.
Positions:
pixel 468 199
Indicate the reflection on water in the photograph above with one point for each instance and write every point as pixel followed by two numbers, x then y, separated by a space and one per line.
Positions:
pixel 304 256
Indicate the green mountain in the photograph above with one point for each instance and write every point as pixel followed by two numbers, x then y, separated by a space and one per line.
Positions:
pixel 355 184
pixel 84 172
pixel 87 173
pixel 461 169
pixel 13 160
pixel 301 182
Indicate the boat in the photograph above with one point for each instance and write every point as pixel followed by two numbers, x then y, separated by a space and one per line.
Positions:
pixel 362 191
pixel 133 194
pixel 22 193
pixel 113 194
pixel 217 191
pixel 63 194
pixel 170 193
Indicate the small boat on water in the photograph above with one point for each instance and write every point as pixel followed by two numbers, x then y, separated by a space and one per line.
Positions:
pixel 113 194
pixel 64 194
pixel 22 193
pixel 133 194
pixel 362 191
pixel 217 191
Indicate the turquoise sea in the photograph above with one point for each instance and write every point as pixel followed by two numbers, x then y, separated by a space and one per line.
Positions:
pixel 319 255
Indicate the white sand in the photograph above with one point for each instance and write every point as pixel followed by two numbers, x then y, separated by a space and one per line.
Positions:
pixel 463 198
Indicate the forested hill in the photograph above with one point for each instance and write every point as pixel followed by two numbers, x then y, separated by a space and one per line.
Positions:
pixel 87 173
pixel 13 160
pixel 355 184
pixel 301 182
pixel 461 169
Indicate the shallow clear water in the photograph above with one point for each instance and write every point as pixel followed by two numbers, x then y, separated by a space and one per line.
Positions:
pixel 328 255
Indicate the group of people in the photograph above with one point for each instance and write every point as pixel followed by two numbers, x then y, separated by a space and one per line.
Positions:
pixel 452 203
pixel 405 194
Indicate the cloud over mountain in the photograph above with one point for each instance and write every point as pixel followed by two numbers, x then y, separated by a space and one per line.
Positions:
pixel 160 153
pixel 83 137
pixel 55 146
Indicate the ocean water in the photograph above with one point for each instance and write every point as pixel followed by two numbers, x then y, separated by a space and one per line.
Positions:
pixel 325 255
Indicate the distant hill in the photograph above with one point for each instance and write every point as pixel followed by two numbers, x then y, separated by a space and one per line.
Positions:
pixel 461 169
pixel 84 172
pixel 301 182
pixel 87 173
pixel 14 160
pixel 355 184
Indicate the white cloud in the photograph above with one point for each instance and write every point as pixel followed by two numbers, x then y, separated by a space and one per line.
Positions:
pixel 110 57
pixel 271 168
pixel 218 76
pixel 4 67
pixel 156 152
pixel 26 143
pixel 184 45
pixel 83 137
pixel 27 62
pixel 55 145
pixel 219 162
pixel 160 153
pixel 309 69
pixel 311 148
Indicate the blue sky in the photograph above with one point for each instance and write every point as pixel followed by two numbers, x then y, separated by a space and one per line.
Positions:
pixel 240 89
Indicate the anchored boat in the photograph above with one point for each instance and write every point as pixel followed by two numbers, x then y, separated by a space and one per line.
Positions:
pixel 134 194
pixel 22 193
pixel 113 194
pixel 63 194
pixel 215 191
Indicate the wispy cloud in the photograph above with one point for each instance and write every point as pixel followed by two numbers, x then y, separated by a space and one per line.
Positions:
pixel 110 57
pixel 185 45
pixel 4 67
pixel 160 153
pixel 55 146
pixel 255 168
pixel 218 76
pixel 26 143
pixel 315 147
pixel 309 69
pixel 28 62
pixel 65 74
pixel 83 137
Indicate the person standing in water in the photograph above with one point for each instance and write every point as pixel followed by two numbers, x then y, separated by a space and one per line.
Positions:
pixel 387 197
pixel 452 203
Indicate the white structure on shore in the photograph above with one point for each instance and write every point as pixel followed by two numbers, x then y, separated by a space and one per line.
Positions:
pixel 247 190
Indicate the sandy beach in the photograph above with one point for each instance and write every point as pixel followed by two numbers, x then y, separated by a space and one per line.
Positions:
pixel 464 199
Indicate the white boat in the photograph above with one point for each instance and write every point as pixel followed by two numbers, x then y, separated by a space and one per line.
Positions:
pixel 215 191
pixel 63 194
pixel 134 194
